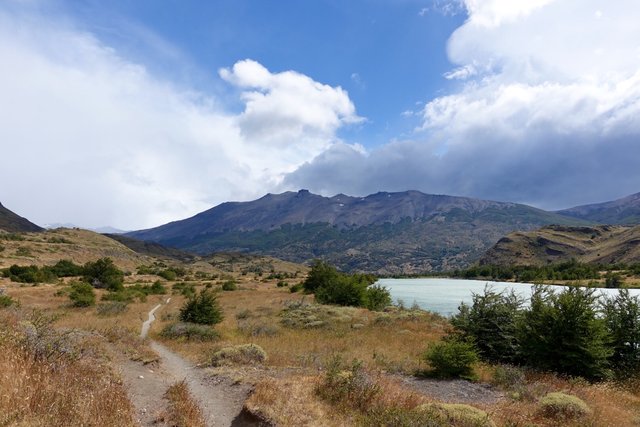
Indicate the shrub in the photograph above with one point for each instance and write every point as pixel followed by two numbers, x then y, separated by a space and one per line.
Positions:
pixel 244 354
pixel 111 308
pixel 564 333
pixel 183 288
pixel 29 274
pixel 229 285
pixel 457 415
pixel 622 319
pixel 348 384
pixel 190 332
pixel 282 284
pixel 376 298
pixel 491 322
pixel 563 406
pixel 104 274
pixel 168 274
pixel 295 288
pixel 6 301
pixel 202 308
pixel 157 288
pixel 66 268
pixel 82 294
pixel 452 358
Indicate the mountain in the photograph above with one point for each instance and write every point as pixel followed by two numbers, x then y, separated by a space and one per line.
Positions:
pixel 13 223
pixel 383 233
pixel 604 244
pixel 625 211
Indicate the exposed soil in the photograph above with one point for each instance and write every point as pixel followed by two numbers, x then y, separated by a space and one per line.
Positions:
pixel 220 398
pixel 455 391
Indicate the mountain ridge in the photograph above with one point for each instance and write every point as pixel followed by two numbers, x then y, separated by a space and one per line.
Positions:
pixel 623 211
pixel 384 233
pixel 12 222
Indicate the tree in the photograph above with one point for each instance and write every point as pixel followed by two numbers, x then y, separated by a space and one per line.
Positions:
pixel 82 294
pixel 202 308
pixel 622 319
pixel 321 274
pixel 104 274
pixel 564 333
pixel 491 323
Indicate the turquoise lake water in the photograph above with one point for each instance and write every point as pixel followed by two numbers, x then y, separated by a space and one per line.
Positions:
pixel 443 296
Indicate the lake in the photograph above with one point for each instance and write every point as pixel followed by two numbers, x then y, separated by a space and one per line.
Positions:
pixel 443 296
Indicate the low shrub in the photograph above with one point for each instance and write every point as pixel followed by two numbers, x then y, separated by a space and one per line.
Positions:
pixel 6 301
pixel 257 328
pixel 348 384
pixel 244 354
pixel 456 415
pixel 295 288
pixel 190 332
pixel 202 308
pixel 111 308
pixel 184 289
pixel 563 406
pixel 452 358
pixel 229 285
pixel 82 294
pixel 282 284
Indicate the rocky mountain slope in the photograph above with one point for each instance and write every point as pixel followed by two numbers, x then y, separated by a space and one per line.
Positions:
pixel 604 244
pixel 625 211
pixel 384 233
pixel 12 222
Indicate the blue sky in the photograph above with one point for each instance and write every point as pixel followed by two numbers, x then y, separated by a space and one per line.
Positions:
pixel 135 113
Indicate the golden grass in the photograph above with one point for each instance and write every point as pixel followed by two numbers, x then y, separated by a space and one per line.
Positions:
pixel 183 410
pixel 57 391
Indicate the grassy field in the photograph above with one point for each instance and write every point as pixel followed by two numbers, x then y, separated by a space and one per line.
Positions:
pixel 78 384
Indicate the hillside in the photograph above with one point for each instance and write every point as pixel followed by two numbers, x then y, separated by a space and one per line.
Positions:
pixel 604 244
pixel 384 233
pixel 625 211
pixel 12 222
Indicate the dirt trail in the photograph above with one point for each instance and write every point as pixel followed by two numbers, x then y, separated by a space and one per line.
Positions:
pixel 219 398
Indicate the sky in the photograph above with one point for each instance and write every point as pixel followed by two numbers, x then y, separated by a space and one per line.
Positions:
pixel 136 113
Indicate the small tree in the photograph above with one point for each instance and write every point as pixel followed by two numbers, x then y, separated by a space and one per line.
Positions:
pixel 452 358
pixel 622 319
pixel 104 274
pixel 321 274
pixel 82 294
pixel 202 308
pixel 491 322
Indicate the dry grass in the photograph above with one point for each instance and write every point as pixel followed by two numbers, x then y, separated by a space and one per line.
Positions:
pixel 183 409
pixel 292 402
pixel 57 390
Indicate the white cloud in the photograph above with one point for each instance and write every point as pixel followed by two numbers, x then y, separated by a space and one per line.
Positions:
pixel 546 113
pixel 92 138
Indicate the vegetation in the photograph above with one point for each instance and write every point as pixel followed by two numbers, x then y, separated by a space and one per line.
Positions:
pixel 183 409
pixel 244 354
pixel 82 294
pixel 104 274
pixel 229 285
pixel 190 332
pixel 332 287
pixel 202 308
pixel 563 406
pixel 452 358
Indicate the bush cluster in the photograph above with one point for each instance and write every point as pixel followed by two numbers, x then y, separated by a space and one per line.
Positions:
pixel 202 308
pixel 82 294
pixel 333 287
pixel 573 332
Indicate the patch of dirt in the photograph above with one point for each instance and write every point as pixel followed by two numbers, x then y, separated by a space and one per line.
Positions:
pixel 455 391
pixel 220 398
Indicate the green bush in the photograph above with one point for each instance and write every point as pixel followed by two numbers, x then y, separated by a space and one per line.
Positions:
pixel 190 332
pixel 82 294
pixel 202 308
pixel 168 274
pixel 6 301
pixel 295 288
pixel 184 289
pixel 622 320
pixel 563 406
pixel 452 358
pixel 563 332
pixel 29 274
pixel 244 354
pixel 66 268
pixel 491 322
pixel 376 298
pixel 229 285
pixel 282 284
pixel 104 274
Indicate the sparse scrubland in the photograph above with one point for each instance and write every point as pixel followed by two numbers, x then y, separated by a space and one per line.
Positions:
pixel 356 361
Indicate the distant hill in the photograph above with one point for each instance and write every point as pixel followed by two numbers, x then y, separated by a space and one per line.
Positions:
pixel 625 211
pixel 12 222
pixel 151 248
pixel 604 244
pixel 384 233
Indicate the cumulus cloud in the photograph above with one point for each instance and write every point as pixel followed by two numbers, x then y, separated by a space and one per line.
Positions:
pixel 93 138
pixel 546 113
